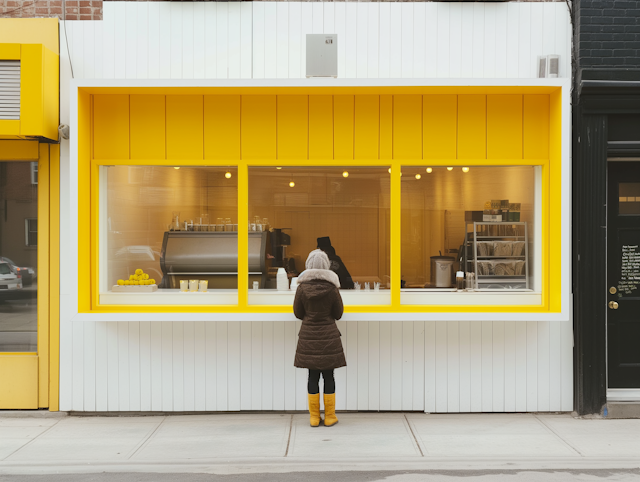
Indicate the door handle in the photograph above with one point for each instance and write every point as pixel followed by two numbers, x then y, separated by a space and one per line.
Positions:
pixel 613 305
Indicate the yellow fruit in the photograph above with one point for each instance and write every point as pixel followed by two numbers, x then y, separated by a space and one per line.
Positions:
pixel 120 282
pixel 126 282
pixel 152 281
pixel 139 271
pixel 146 276
pixel 132 277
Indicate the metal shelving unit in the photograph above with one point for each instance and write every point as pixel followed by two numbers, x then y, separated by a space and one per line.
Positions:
pixel 492 231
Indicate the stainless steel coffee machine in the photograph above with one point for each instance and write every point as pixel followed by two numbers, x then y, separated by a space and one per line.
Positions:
pixel 211 256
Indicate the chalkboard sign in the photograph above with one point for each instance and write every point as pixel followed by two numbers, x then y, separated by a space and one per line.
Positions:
pixel 629 270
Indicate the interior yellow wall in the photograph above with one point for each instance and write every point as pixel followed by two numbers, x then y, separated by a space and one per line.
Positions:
pixel 141 201
pixel 433 209
pixel 348 127
pixel 352 211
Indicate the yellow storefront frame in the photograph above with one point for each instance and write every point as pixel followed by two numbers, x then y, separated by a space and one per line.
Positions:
pixel 32 377
pixel 550 229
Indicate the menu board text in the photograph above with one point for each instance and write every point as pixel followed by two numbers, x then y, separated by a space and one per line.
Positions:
pixel 629 270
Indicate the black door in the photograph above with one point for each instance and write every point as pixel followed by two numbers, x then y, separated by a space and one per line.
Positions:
pixel 623 273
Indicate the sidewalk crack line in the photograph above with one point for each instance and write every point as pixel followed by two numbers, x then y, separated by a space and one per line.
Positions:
pixel 558 435
pixel 31 441
pixel 414 435
pixel 146 441
pixel 286 453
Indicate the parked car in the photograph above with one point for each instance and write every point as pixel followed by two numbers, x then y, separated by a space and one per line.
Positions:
pixel 8 279
pixel 27 274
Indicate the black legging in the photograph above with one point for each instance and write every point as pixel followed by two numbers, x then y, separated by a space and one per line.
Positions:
pixel 313 385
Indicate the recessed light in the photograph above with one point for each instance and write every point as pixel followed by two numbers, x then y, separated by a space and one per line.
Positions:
pixel 227 175
pixel 429 170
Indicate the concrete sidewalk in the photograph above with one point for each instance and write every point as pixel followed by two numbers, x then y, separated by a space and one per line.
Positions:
pixel 279 443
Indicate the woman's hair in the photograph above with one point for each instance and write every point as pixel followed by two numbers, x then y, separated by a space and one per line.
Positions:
pixel 317 259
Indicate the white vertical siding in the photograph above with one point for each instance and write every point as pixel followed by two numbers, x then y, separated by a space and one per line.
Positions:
pixel 433 366
pixel 267 39
pixel 392 365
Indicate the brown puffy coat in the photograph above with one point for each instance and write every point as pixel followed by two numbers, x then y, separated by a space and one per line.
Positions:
pixel 318 304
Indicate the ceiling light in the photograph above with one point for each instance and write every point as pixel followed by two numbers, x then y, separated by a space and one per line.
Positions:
pixel 345 174
pixel 465 169
pixel 429 170
pixel 449 168
pixel 291 184
pixel 418 176
pixel 176 168
pixel 278 168
pixel 389 170
pixel 227 175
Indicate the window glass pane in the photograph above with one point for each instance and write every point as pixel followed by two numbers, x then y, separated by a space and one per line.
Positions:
pixel 344 211
pixel 629 198
pixel 18 258
pixel 173 224
pixel 479 221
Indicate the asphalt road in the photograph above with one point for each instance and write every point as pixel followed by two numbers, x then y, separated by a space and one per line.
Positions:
pixel 409 476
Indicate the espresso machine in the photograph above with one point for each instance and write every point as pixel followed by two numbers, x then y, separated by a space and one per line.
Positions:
pixel 279 243
pixel 211 256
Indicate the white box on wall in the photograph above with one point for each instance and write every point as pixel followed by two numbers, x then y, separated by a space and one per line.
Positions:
pixel 322 55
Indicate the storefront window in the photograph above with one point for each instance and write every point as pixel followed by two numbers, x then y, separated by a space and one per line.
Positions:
pixel 341 210
pixel 168 231
pixel 18 257
pixel 469 229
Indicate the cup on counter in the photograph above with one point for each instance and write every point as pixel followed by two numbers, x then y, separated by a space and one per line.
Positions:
pixel 294 284
pixel 193 285
pixel 203 285
pixel 184 285
pixel 256 285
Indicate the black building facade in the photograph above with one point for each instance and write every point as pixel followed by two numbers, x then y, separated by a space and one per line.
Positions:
pixel 606 203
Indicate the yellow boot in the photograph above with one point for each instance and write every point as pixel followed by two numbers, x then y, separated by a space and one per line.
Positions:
pixel 314 409
pixel 330 409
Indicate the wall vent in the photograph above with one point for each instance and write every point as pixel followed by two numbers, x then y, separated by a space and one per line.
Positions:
pixel 554 65
pixel 548 66
pixel 9 89
pixel 542 66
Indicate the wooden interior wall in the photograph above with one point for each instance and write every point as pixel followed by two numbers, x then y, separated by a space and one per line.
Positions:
pixel 315 127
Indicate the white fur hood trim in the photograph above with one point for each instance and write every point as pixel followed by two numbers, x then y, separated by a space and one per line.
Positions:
pixel 319 274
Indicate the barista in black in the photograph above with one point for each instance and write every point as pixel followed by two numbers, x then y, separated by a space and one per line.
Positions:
pixel 337 265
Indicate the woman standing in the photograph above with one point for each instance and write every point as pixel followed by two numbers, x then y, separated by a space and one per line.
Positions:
pixel 318 304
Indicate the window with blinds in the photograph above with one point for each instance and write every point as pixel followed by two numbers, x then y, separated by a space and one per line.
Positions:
pixel 9 89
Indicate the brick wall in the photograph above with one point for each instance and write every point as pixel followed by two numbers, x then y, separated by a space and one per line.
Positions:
pixel 75 9
pixel 608 33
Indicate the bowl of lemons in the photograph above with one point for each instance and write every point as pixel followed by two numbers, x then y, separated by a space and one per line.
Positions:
pixel 139 282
